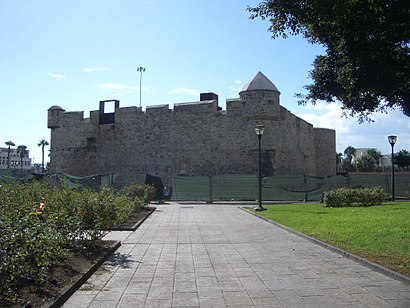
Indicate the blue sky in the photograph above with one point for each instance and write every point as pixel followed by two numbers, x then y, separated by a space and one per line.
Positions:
pixel 78 52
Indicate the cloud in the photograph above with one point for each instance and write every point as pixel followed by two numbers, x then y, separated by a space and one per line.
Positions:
pixel 96 69
pixel 365 135
pixel 187 91
pixel 56 76
pixel 120 87
pixel 117 86
pixel 234 89
pixel 237 87
pixel 112 86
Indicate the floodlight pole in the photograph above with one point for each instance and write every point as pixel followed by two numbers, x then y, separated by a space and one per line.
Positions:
pixel 141 70
pixel 259 132
pixel 392 140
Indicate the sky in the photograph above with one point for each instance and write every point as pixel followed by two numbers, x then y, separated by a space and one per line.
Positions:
pixel 75 53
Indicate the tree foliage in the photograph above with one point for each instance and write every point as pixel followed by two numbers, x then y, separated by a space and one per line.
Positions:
pixel 402 159
pixel 375 155
pixel 349 152
pixel 367 62
pixel 365 163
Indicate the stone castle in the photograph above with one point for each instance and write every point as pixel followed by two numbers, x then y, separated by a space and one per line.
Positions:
pixel 197 138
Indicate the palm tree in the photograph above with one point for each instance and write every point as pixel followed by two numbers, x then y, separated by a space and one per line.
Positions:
pixel 42 143
pixel 22 151
pixel 338 161
pixel 375 155
pixel 350 152
pixel 10 144
pixel 365 163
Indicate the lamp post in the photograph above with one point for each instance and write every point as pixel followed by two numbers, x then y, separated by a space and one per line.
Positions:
pixel 259 132
pixel 141 70
pixel 392 140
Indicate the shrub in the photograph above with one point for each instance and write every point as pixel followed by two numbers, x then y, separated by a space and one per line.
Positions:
pixel 343 197
pixel 140 194
pixel 38 220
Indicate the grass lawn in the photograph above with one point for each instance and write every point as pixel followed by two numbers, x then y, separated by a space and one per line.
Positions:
pixel 379 233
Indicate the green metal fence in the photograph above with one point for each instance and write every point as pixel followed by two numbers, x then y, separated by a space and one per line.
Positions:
pixel 279 188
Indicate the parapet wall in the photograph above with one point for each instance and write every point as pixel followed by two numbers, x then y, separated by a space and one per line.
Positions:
pixel 195 138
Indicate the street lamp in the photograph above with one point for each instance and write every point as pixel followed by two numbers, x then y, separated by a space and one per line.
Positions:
pixel 259 132
pixel 140 69
pixel 392 140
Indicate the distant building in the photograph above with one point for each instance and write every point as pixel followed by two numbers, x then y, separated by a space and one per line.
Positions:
pixel 15 159
pixel 384 162
pixel 197 138
pixel 359 153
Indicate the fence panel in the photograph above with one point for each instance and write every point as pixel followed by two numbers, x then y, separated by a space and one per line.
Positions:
pixel 234 187
pixel 317 186
pixel 191 188
pixel 283 188
pixel 279 188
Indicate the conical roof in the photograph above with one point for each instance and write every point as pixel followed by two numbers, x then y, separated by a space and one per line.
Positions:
pixel 260 82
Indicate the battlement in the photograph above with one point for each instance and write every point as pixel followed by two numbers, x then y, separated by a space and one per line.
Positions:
pixel 194 138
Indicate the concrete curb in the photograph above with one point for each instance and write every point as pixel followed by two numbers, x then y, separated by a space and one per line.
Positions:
pixel 70 291
pixel 373 266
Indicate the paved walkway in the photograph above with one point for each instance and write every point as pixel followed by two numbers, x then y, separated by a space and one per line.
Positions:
pixel 220 256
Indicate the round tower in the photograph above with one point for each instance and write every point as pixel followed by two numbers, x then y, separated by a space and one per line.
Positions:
pixel 261 98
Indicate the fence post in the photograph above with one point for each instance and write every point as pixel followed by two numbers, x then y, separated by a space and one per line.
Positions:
pixel 210 200
pixel 306 191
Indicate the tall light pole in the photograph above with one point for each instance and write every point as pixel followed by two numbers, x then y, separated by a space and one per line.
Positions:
pixel 392 140
pixel 141 70
pixel 259 132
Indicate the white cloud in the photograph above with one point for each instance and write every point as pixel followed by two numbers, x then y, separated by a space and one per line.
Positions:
pixel 112 86
pixel 365 135
pixel 187 91
pixel 56 76
pixel 236 90
pixel 237 87
pixel 120 87
pixel 96 69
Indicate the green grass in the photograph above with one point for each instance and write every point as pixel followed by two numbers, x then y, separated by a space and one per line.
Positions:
pixel 379 233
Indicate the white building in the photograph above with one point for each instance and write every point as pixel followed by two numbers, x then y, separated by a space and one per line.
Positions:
pixel 385 160
pixel 359 153
pixel 15 159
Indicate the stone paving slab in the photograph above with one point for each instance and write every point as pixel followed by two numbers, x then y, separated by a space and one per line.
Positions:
pixel 220 256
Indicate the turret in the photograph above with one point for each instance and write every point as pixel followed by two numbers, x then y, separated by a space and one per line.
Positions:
pixel 261 98
pixel 54 113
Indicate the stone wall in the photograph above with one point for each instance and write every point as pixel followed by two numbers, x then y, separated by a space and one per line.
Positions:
pixel 195 138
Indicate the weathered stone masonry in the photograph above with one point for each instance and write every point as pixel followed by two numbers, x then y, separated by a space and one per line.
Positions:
pixel 192 139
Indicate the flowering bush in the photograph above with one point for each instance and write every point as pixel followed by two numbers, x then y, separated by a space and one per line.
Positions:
pixel 343 197
pixel 39 220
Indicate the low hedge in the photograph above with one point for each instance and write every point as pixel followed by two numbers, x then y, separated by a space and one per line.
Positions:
pixel 39 220
pixel 344 197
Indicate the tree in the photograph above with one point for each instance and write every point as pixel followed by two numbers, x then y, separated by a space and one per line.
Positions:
pixel 367 62
pixel 22 151
pixel 339 159
pixel 42 143
pixel 375 155
pixel 349 152
pixel 402 159
pixel 365 163
pixel 9 144
pixel 347 165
